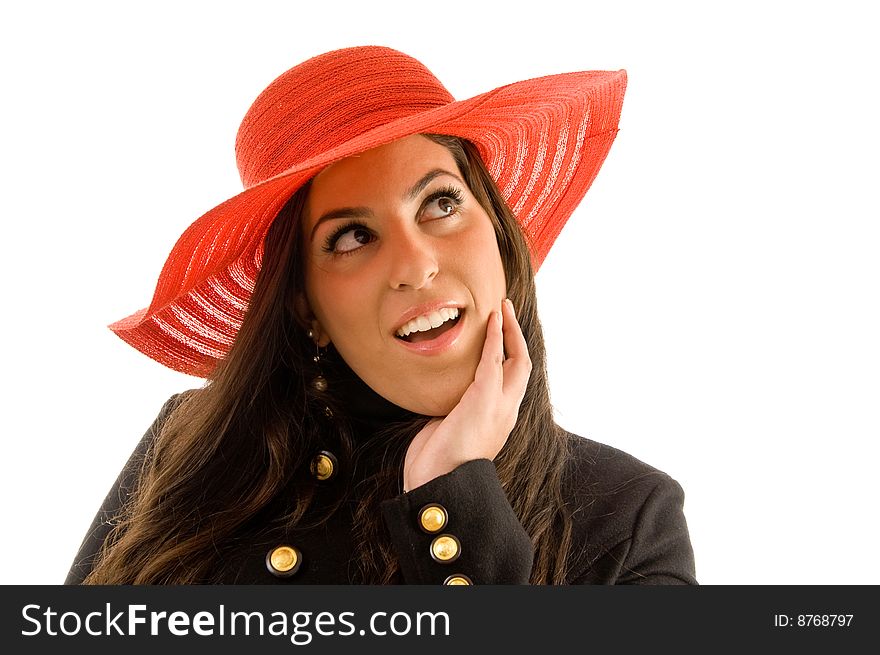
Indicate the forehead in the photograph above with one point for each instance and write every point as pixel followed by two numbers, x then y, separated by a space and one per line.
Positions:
pixel 377 174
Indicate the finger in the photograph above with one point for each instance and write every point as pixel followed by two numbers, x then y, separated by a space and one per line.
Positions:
pixel 518 364
pixel 489 369
pixel 514 342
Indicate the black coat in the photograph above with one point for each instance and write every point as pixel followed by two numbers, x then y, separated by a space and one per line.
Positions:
pixel 629 528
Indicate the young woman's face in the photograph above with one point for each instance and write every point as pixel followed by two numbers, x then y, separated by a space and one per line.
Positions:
pixel 396 243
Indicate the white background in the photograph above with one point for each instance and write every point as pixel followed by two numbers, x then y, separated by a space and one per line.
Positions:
pixel 711 308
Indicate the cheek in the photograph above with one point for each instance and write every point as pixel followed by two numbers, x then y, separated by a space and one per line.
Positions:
pixel 321 288
pixel 332 302
pixel 483 261
pixel 346 310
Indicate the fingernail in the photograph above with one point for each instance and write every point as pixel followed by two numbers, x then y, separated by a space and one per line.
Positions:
pixel 510 304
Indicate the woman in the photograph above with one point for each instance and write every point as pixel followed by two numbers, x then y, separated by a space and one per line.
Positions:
pixel 377 406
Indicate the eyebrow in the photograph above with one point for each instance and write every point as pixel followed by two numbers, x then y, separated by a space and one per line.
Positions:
pixel 366 212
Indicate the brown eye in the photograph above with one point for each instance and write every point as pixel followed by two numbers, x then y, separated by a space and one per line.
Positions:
pixel 441 207
pixel 348 239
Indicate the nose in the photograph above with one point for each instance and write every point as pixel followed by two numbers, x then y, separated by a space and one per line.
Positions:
pixel 413 260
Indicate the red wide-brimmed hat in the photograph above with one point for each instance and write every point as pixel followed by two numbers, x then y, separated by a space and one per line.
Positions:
pixel 543 140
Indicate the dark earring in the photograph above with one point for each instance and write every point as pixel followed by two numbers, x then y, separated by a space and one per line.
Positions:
pixel 319 382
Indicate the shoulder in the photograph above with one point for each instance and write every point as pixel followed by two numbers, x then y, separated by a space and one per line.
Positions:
pixel 144 449
pixel 620 505
pixel 174 402
pixel 122 489
pixel 169 406
pixel 596 471
pixel 127 480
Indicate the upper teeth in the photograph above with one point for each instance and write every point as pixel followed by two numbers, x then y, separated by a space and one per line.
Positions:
pixel 428 321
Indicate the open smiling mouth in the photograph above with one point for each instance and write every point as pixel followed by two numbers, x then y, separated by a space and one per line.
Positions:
pixel 420 329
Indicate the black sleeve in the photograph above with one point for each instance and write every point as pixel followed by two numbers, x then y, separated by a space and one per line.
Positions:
pixel 481 530
pixel 657 550
pixel 119 493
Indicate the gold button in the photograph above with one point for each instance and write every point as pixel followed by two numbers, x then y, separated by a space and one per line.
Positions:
pixel 457 579
pixel 432 518
pixel 445 548
pixel 323 465
pixel 283 561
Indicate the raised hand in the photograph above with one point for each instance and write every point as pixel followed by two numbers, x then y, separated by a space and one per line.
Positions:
pixel 479 425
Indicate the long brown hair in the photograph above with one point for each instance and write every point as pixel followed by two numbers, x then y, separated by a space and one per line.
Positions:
pixel 227 452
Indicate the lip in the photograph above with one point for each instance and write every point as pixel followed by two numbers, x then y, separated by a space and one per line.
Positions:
pixel 424 308
pixel 440 344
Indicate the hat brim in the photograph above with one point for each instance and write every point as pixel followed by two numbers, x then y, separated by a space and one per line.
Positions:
pixel 543 141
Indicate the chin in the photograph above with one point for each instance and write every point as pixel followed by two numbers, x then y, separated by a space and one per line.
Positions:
pixel 430 393
pixel 433 408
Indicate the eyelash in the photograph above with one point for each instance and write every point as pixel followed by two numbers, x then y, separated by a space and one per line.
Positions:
pixel 448 191
pixel 330 242
pixel 451 192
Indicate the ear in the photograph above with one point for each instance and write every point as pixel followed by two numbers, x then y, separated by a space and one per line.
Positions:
pixel 306 318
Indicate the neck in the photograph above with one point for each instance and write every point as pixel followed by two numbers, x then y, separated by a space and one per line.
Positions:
pixel 357 399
